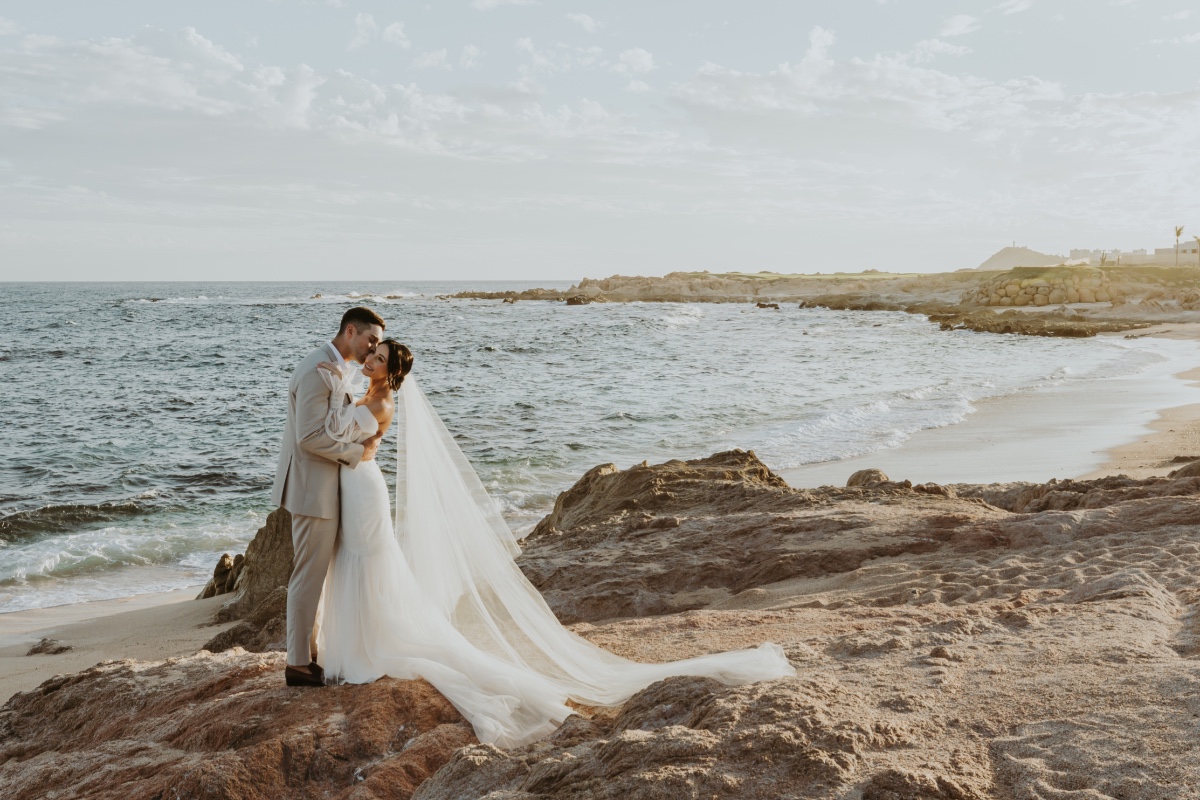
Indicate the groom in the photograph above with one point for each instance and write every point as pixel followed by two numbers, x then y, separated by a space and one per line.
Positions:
pixel 306 484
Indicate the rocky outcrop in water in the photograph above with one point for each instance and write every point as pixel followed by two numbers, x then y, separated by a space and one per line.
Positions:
pixel 1063 323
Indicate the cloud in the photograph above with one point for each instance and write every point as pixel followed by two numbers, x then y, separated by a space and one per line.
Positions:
pixel 1013 6
pixel 433 59
pixel 584 21
pixel 365 30
pixel 559 58
pixel 1191 38
pixel 929 49
pixel 169 144
pixel 469 57
pixel 488 5
pixel 8 27
pixel 1178 15
pixel 635 62
pixel 394 34
pixel 959 25
pixel 820 41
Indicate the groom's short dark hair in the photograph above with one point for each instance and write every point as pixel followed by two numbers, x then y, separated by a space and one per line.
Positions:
pixel 361 318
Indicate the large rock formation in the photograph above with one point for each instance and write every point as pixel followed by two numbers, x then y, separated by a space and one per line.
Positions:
pixel 221 727
pixel 1021 640
pixel 266 568
pixel 260 599
pixel 684 535
pixel 681 535
pixel 962 641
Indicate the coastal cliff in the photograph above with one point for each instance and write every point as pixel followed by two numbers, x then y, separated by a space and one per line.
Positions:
pixel 1002 640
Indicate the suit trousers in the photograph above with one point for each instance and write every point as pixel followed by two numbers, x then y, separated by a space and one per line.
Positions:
pixel 313 539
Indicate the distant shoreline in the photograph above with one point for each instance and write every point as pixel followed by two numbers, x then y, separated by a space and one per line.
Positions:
pixel 1058 300
pixel 1132 425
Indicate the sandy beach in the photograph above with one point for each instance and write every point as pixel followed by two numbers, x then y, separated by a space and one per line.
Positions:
pixel 145 627
pixel 1088 429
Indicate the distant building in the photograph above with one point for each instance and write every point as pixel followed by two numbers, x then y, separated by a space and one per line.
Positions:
pixel 1188 254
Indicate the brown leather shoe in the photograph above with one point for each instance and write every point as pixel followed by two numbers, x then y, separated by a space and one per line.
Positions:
pixel 295 677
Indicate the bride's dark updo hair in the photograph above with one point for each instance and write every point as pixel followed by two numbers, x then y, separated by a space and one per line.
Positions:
pixel 399 363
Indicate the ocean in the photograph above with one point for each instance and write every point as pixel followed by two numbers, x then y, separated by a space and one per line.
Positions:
pixel 142 420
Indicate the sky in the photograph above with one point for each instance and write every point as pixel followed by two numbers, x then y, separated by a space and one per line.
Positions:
pixel 534 139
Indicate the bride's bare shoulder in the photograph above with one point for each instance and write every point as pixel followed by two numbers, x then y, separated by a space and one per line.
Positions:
pixel 382 408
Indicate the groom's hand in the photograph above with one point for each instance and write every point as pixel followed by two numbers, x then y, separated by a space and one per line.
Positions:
pixel 370 446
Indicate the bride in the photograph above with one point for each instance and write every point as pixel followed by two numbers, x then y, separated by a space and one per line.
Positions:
pixel 439 595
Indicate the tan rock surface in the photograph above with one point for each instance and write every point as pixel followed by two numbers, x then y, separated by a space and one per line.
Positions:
pixel 682 535
pixel 221 726
pixel 1016 641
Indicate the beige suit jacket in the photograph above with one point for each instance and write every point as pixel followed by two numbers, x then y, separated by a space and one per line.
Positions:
pixel 306 480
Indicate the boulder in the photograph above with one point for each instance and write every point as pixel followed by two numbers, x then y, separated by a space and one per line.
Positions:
pixel 224 577
pixel 48 647
pixel 1191 470
pixel 867 477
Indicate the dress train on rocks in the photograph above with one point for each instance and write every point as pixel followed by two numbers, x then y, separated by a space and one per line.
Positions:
pixel 438 595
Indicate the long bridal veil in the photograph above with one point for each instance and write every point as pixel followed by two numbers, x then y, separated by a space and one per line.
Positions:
pixel 462 553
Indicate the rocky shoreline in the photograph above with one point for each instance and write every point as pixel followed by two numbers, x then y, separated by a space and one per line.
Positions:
pixel 1076 301
pixel 952 641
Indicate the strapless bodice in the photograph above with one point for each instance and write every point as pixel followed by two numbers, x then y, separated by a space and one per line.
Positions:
pixel 368 426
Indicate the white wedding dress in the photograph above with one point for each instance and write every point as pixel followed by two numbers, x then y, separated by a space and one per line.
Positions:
pixel 440 597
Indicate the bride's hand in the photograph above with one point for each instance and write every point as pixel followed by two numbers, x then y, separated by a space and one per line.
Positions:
pixel 370 446
pixel 329 366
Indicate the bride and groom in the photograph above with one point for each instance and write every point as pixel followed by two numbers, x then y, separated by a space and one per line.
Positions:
pixel 433 590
